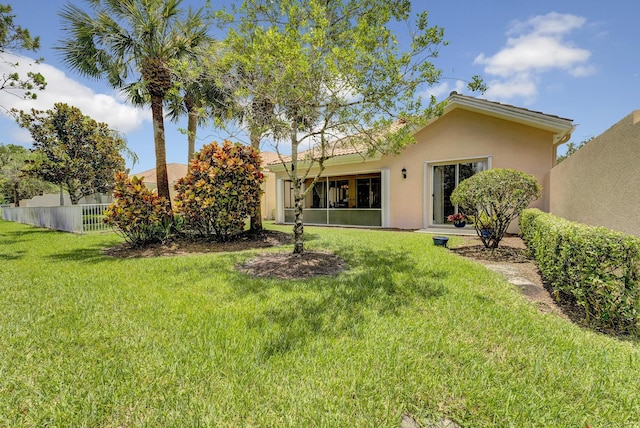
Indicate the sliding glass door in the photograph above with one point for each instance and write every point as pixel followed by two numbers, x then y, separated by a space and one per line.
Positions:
pixel 445 178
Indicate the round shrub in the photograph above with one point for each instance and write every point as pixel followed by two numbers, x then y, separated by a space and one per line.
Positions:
pixel 139 215
pixel 492 199
pixel 221 190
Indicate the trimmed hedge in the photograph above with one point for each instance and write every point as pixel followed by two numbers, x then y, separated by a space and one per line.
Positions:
pixel 597 267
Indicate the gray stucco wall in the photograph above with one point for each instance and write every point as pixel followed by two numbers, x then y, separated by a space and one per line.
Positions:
pixel 600 183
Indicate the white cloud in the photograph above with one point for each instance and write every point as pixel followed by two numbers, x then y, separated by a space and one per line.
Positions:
pixel 443 89
pixel 60 88
pixel 534 47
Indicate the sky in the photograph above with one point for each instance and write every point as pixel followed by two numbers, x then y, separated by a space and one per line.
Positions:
pixel 571 58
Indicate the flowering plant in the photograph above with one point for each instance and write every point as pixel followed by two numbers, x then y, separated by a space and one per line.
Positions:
pixel 457 218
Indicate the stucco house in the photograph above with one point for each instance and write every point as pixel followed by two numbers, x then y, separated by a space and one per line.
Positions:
pixel 411 190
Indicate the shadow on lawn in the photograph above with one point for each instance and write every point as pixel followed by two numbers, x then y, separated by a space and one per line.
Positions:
pixel 91 254
pixel 378 282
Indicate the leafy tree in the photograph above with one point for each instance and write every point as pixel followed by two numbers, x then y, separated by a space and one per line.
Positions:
pixel 14 38
pixel 73 151
pixel 492 199
pixel 14 183
pixel 130 43
pixel 221 189
pixel 572 148
pixel 138 214
pixel 326 69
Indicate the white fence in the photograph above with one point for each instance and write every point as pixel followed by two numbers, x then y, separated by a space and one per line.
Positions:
pixel 73 218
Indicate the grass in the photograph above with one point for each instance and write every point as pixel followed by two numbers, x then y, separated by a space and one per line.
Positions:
pixel 87 340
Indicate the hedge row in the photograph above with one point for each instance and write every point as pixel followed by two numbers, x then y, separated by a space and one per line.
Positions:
pixel 595 266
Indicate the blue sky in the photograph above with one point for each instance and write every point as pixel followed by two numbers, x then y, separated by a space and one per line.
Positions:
pixel 575 59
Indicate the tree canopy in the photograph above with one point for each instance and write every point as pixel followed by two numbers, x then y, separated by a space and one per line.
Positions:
pixel 324 70
pixel 73 150
pixel 14 183
pixel 14 38
pixel 130 44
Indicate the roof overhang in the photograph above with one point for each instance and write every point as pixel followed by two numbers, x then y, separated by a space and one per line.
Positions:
pixel 338 160
pixel 561 128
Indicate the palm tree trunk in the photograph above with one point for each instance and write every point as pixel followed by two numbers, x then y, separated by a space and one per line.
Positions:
pixel 192 123
pixel 162 179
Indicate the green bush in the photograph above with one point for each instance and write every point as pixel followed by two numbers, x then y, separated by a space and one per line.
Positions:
pixel 221 189
pixel 492 199
pixel 139 215
pixel 595 266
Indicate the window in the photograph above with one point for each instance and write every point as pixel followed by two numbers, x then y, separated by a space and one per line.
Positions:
pixel 368 192
pixel 319 195
pixel 445 178
pixel 339 194
pixel 289 201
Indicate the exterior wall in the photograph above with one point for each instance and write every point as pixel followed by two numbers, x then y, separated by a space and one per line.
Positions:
pixel 268 201
pixel 462 134
pixel 600 183
pixel 458 135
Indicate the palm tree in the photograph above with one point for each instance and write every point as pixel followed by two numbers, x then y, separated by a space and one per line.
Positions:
pixel 129 41
pixel 199 94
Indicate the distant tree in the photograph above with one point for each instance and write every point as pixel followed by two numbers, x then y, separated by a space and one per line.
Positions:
pixel 319 70
pixel 130 43
pixel 492 199
pixel 222 188
pixel 73 151
pixel 14 38
pixel 14 183
pixel 572 148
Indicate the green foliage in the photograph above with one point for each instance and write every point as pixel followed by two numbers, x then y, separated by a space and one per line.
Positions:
pixel 572 148
pixel 492 199
pixel 138 214
pixel 130 43
pixel 325 68
pixel 596 267
pixel 73 150
pixel 14 183
pixel 221 189
pixel 15 38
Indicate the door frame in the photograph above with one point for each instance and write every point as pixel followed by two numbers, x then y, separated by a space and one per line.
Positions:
pixel 427 197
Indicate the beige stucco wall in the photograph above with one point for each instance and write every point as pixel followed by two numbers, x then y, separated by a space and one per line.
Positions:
pixel 268 200
pixel 600 183
pixel 460 134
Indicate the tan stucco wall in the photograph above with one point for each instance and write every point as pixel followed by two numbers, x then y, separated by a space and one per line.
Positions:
pixel 600 183
pixel 460 134
pixel 268 200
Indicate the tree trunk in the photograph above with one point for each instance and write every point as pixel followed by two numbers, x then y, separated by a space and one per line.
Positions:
pixel 61 195
pixel 162 180
pixel 16 195
pixel 298 227
pixel 298 195
pixel 192 127
pixel 255 223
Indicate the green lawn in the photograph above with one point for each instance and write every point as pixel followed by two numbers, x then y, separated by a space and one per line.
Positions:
pixel 87 340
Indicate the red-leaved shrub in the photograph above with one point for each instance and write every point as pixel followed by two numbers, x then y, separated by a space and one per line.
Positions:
pixel 221 190
pixel 138 214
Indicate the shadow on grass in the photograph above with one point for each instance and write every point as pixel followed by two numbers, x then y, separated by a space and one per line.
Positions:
pixel 14 256
pixel 378 283
pixel 84 254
